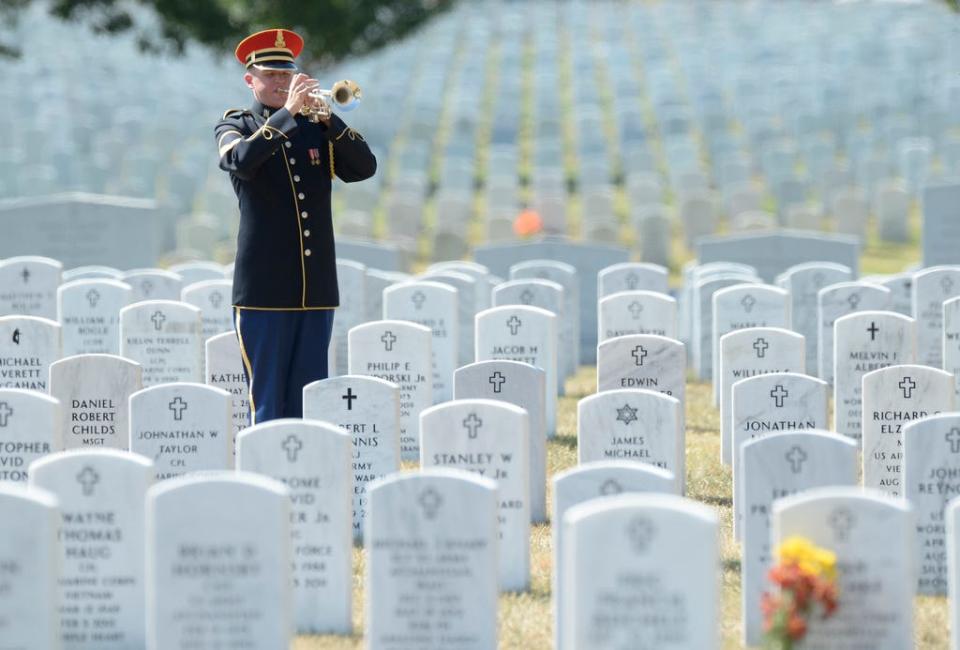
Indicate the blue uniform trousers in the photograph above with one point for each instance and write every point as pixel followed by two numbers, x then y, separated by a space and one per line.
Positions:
pixel 282 351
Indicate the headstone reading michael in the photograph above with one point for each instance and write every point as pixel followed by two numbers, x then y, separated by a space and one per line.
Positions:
pixel 28 345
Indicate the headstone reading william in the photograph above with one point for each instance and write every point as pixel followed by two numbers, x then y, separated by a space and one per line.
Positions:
pixel 30 428
pixel 89 315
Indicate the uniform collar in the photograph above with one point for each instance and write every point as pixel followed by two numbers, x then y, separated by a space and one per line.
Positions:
pixel 261 110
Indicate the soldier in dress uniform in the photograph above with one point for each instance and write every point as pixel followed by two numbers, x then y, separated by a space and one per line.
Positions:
pixel 282 166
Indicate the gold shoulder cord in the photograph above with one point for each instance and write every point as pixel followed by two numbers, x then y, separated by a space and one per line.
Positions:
pixel 330 148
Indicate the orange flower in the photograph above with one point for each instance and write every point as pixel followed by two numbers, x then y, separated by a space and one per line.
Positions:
pixel 796 627
pixel 527 223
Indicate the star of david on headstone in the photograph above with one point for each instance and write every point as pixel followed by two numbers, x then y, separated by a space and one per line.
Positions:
pixel 472 424
pixel 497 380
pixel 610 486
pixel 779 393
pixel 761 346
pixel 639 354
pixel 349 396
pixel 526 297
pixel 952 436
pixel 841 521
pixel 418 298
pixel 5 413
pixel 147 287
pixel 178 406
pixel 626 414
pixel 748 302
pixel 873 329
pixel 514 324
pixel 796 457
pixel 93 297
pixel 216 299
pixel 907 385
pixel 88 478
pixel 632 281
pixel 25 274
pixel 388 338
pixel 292 445
pixel 946 283
pixel 853 300
pixel 640 532
pixel 430 500
pixel 158 320
pixel 635 309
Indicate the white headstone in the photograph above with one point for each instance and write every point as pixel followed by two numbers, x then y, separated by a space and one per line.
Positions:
pixel 951 339
pixel 28 346
pixel 153 284
pixel 469 293
pixel 212 298
pixel 931 288
pixel 30 428
pixel 804 282
pixel 636 312
pixel 165 338
pixel 549 296
pixel 631 276
pixel 89 315
pixel 352 279
pixel 838 300
pixel 224 369
pixel 28 286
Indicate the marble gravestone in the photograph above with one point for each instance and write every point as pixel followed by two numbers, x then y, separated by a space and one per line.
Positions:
pixel 838 300
pixel 94 392
pixel 525 334
pixel 741 307
pixel 182 428
pixel 398 352
pixel 198 271
pixel 772 253
pixel 469 290
pixel 931 288
pixel 941 228
pixel 91 272
pixel 89 315
pixel 548 296
pixel 377 281
pixel 640 571
pixel 931 478
pixel 433 305
pixel 804 282
pixel 224 369
pixel 567 277
pixel 313 460
pixel 483 281
pixel 165 338
pixel 352 278
pixel 368 409
pixel 875 580
pixel 901 290
pixel 219 571
pixel 636 312
pixel 631 276
pixel 589 481
pixel 747 353
pixel 28 286
pixel 643 361
pixel 29 569
pixel 415 521
pixel 951 340
pixel 101 494
pixel 866 341
pixel 489 438
pixel 893 397
pixel 30 428
pixel 522 385
pixel 153 284
pixel 632 424
pixel 952 517
pixel 28 346
pixel 213 299
pixel 771 467
pixel 701 337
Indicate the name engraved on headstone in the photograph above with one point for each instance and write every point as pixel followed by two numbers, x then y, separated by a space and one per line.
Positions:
pixel 28 345
pixel 29 429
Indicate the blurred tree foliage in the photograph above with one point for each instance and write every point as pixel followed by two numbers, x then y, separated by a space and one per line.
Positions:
pixel 332 29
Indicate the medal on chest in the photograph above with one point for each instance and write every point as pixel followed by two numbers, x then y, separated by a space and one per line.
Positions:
pixel 314 156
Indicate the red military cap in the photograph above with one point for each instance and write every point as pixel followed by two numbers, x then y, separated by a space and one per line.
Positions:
pixel 271 48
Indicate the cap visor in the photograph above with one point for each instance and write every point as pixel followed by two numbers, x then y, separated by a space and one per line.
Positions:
pixel 274 65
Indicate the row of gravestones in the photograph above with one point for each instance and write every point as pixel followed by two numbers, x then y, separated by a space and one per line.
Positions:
pixel 244 559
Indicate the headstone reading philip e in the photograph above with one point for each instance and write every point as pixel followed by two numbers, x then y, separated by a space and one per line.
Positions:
pixel 892 397
pixel 89 313
pixel 30 428
pixel 101 494
pixel 414 522
pixel 219 571
pixel 94 392
pixel 29 616
pixel 368 409
pixel 313 460
pixel 28 346
pixel 165 338
pixel 398 352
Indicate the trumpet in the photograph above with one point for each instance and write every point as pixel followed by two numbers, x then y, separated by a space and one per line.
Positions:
pixel 345 95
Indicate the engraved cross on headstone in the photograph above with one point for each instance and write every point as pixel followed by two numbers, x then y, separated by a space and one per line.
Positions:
pixel 93 297
pixel 418 298
pixel 946 283
pixel 796 457
pixel 635 309
pixel 873 329
pixel 178 406
pixel 526 296
pixel 953 437
pixel 639 354
pixel 761 346
pixel 748 302
pixel 497 380
pixel 5 413
pixel 88 478
pixel 292 445
pixel 472 424
pixel 632 281
pixel 216 299
pixel 430 500
pixel 779 393
pixel 158 319
pixel 25 274
pixel 841 521
pixel 349 397
pixel 853 300
pixel 640 530
pixel 514 324
pixel 388 338
pixel 907 385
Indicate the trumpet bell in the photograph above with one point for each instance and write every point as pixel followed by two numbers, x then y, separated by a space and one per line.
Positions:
pixel 346 95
